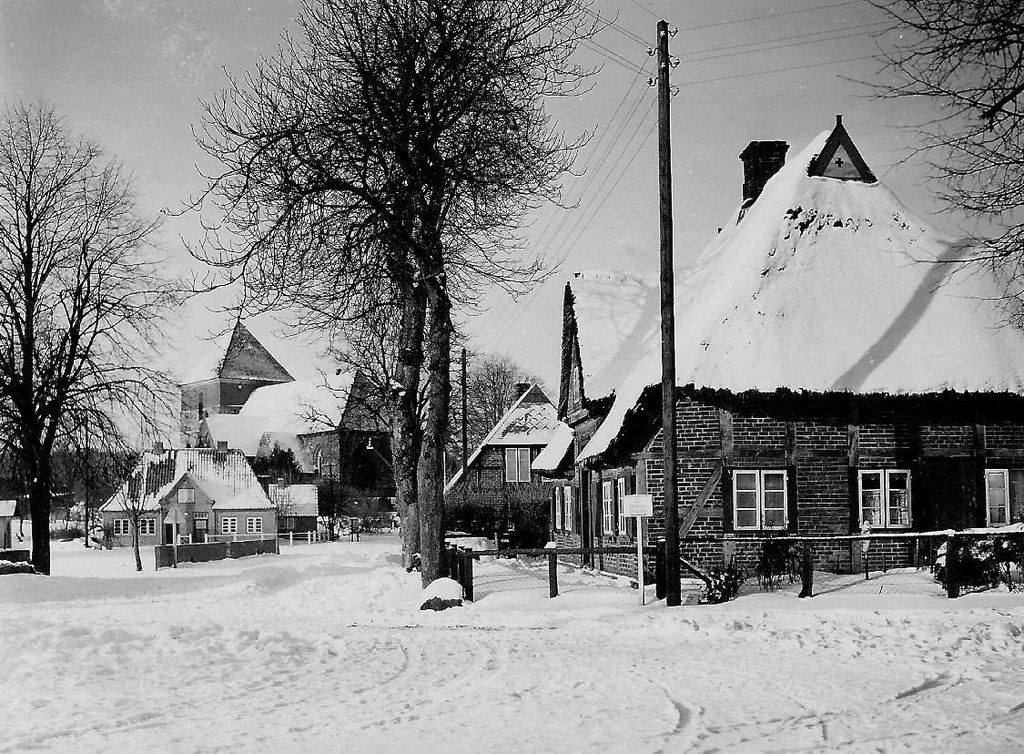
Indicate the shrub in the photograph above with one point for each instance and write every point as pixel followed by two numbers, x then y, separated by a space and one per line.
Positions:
pixel 66 535
pixel 725 582
pixel 778 561
pixel 7 568
pixel 981 564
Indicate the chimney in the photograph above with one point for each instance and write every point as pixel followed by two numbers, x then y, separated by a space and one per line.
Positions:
pixel 222 447
pixel 761 160
pixel 158 448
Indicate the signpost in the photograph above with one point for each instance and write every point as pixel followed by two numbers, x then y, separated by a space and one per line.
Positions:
pixel 639 507
pixel 176 518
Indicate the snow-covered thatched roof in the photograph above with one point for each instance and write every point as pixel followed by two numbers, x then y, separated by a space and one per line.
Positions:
pixel 531 421
pixel 613 311
pixel 550 459
pixel 226 478
pixel 828 284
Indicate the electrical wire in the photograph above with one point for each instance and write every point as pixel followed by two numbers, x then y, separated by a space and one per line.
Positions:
pixel 770 15
pixel 776 70
pixel 610 55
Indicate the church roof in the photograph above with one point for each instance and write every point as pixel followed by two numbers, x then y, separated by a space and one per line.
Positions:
pixel 239 356
pixel 832 284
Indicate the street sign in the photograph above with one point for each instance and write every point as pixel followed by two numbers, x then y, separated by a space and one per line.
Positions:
pixel 637 505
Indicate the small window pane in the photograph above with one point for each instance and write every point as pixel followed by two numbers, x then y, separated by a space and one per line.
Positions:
pixel 774 518
pixel 997 496
pixel 524 464
pixel 1016 495
pixel 746 519
pixel 871 507
pixel 774 481
pixel 871 480
pixel 746 480
pixel 511 465
pixel 899 507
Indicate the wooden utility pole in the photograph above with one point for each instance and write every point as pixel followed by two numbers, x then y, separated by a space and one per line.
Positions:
pixel 668 324
pixel 465 434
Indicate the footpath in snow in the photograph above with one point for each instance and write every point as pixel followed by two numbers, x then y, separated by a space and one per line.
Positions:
pixel 324 648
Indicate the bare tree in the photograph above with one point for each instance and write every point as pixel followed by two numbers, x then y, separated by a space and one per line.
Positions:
pixel 968 57
pixel 383 163
pixel 79 297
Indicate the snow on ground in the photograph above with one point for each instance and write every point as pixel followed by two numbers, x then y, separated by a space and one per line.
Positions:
pixel 324 648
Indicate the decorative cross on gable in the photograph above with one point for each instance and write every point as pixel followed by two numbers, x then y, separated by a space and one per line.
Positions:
pixel 839 162
pixel 839 158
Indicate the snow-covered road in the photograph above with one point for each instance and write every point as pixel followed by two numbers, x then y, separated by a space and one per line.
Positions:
pixel 324 649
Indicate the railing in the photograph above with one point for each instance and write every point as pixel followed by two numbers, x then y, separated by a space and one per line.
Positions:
pixel 309 537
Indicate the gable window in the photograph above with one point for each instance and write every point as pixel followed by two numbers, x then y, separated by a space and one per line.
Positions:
pixel 229 525
pixel 517 464
pixel 760 499
pixel 607 508
pixel 558 507
pixel 147 527
pixel 1004 496
pixel 885 498
pixel 570 513
pixel 186 495
pixel 121 528
pixel 254 525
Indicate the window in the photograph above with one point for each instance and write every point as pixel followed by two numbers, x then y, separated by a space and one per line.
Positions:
pixel 626 524
pixel 517 464
pixel 1004 496
pixel 186 495
pixel 558 507
pixel 121 528
pixel 759 499
pixel 607 508
pixel 201 516
pixel 229 525
pixel 885 498
pixel 254 525
pixel 147 527
pixel 569 512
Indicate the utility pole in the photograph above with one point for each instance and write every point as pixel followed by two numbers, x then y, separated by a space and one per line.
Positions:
pixel 465 434
pixel 668 323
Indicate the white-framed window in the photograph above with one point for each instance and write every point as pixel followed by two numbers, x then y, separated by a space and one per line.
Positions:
pixel 625 523
pixel 1004 496
pixel 254 525
pixel 607 507
pixel 121 527
pixel 229 525
pixel 186 495
pixel 558 508
pixel 147 527
pixel 517 464
pixel 570 513
pixel 759 499
pixel 202 515
pixel 884 496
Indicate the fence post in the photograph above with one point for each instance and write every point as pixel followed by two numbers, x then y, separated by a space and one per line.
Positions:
pixel 952 568
pixel 660 581
pixel 807 572
pixel 467 573
pixel 291 539
pixel 552 574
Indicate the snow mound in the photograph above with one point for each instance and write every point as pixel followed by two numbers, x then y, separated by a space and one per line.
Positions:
pixel 443 588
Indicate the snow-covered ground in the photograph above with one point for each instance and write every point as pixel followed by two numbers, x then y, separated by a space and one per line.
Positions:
pixel 323 648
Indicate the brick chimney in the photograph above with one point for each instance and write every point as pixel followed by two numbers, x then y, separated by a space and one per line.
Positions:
pixel 761 160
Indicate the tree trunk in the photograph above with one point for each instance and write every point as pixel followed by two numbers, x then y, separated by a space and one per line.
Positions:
pixel 39 508
pixel 135 546
pixel 405 429
pixel 438 343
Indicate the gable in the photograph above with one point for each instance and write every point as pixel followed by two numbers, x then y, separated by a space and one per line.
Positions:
pixel 247 359
pixel 839 158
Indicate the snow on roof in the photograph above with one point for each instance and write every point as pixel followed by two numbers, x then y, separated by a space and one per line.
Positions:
pixel 300 406
pixel 613 313
pixel 831 285
pixel 285 441
pixel 238 431
pixel 226 478
pixel 531 420
pixel 549 459
pixel 7 508
pixel 295 499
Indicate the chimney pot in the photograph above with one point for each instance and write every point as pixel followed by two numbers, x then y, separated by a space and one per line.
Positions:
pixel 761 160
pixel 158 448
pixel 222 446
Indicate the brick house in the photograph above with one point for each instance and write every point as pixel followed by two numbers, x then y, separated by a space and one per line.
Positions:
pixel 501 490
pixel 212 494
pixel 836 368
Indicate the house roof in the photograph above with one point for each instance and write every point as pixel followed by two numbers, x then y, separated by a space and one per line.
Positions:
pixel 530 421
pixel 298 406
pixel 240 432
pixel 238 356
pixel 613 312
pixel 550 459
pixel 830 284
pixel 226 478
pixel 295 499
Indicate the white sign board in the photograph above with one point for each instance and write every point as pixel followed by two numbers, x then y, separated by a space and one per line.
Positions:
pixel 637 505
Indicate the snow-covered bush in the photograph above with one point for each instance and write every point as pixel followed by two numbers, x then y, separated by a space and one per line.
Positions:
pixel 983 563
pixel 778 561
pixel 725 582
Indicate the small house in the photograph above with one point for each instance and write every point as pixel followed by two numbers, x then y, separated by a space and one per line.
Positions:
pixel 192 495
pixel 296 506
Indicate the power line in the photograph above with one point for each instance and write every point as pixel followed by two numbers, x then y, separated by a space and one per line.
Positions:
pixel 646 10
pixel 777 47
pixel 610 55
pixel 778 70
pixel 609 23
pixel 770 15
pixel 720 48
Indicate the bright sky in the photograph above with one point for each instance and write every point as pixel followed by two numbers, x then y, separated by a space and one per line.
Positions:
pixel 131 74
